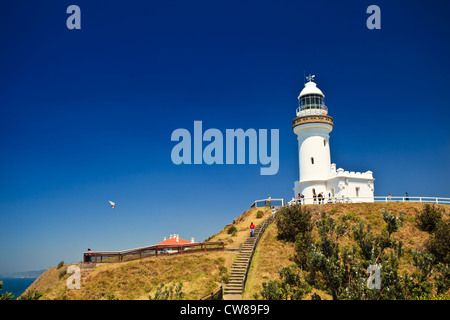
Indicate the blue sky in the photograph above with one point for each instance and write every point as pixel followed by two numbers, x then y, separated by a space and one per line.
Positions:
pixel 87 115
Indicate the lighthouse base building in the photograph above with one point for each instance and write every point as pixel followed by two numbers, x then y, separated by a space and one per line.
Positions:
pixel 340 186
pixel 319 180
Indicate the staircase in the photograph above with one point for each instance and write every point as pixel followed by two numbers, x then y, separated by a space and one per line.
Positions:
pixel 235 287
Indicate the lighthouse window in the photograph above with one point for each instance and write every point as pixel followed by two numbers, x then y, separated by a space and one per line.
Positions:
pixel 324 142
pixel 312 160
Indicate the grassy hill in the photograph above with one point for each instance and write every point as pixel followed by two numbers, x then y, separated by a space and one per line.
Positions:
pixel 200 273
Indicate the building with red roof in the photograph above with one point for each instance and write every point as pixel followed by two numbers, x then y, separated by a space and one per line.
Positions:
pixel 173 243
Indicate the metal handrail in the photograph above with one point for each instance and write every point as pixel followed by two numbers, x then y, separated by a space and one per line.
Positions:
pixel 346 199
pixel 268 200
pixel 312 111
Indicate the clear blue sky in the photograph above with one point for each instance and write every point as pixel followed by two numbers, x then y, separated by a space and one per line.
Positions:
pixel 87 115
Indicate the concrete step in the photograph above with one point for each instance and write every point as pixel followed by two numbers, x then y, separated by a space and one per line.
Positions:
pixel 233 291
pixel 238 268
pixel 230 285
pixel 245 254
pixel 238 272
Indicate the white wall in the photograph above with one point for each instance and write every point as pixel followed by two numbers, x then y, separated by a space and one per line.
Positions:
pixel 313 143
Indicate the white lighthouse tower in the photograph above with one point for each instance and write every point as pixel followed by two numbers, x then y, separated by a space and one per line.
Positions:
pixel 317 174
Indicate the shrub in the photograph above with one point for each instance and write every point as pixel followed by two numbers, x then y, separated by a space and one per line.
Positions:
pixel 60 264
pixel 293 220
pixel 393 222
pixel 290 287
pixel 439 243
pixel 259 214
pixel 171 292
pixel 232 230
pixel 365 239
pixel 303 242
pixel 428 218
pixel 31 295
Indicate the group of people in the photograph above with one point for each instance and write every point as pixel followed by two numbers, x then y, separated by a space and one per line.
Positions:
pixel 320 198
pixel 405 197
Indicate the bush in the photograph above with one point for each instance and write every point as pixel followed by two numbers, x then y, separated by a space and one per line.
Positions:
pixel 171 292
pixel 428 218
pixel 393 222
pixel 60 264
pixel 232 230
pixel 290 287
pixel 439 243
pixel 302 246
pixel 259 214
pixel 31 295
pixel 293 220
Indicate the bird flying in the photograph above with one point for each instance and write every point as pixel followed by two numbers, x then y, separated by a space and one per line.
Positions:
pixel 113 205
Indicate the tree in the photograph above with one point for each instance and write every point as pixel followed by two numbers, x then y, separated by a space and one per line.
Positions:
pixel 6 295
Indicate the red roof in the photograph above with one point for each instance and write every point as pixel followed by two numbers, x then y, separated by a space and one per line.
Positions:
pixel 173 241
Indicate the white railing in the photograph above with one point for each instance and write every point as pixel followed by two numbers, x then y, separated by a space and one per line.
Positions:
pixel 309 112
pixel 265 202
pixel 317 200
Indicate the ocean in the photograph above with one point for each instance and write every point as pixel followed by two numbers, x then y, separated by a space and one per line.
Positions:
pixel 16 285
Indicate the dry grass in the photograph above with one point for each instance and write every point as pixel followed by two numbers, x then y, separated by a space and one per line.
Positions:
pixel 242 224
pixel 200 273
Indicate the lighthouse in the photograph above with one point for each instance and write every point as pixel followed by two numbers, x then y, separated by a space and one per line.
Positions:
pixel 317 175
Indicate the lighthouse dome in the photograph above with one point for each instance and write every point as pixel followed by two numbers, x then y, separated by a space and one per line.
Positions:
pixel 310 88
pixel 311 100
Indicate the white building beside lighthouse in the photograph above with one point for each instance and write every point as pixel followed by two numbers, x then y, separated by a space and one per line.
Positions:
pixel 317 174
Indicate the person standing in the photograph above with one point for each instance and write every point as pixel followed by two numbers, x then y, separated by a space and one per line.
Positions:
pixel 406 196
pixel 252 229
pixel 88 258
pixel 269 202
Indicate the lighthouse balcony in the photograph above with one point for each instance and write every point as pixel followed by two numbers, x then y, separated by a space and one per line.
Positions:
pixel 308 110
